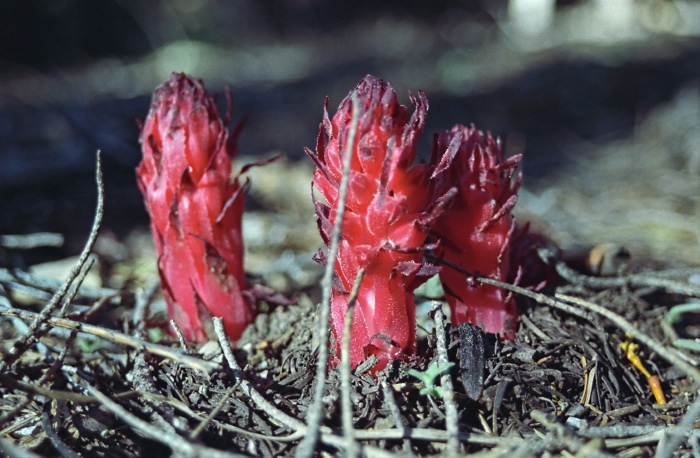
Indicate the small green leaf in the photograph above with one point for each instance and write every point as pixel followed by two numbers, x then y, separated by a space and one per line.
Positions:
pixel 155 335
pixel 676 312
pixel 86 346
pixel 431 289
pixel 687 344
pixel 429 377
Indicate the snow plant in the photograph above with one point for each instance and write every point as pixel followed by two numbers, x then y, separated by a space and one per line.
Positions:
pixel 475 233
pixel 196 206
pixel 457 206
pixel 391 205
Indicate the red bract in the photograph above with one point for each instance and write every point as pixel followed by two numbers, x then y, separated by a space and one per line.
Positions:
pixel 527 269
pixel 389 209
pixel 195 208
pixel 475 232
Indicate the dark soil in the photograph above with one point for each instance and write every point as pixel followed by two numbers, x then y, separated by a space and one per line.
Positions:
pixel 564 385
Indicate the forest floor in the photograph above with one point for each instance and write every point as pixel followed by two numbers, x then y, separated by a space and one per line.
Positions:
pixel 611 137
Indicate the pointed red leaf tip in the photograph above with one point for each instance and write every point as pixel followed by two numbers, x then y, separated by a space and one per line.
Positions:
pixel 475 231
pixel 195 208
pixel 389 208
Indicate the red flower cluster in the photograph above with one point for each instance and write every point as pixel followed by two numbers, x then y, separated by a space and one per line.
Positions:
pixel 389 210
pixel 195 207
pixel 457 205
pixel 475 232
pixel 460 201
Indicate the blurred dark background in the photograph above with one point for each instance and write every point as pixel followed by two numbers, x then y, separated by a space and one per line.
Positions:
pixel 552 78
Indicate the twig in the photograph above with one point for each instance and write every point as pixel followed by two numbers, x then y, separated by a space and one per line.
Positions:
pixel 180 337
pixel 328 435
pixel 635 333
pixel 142 299
pixel 430 435
pixel 351 450
pixel 284 419
pixel 620 430
pixel 539 297
pixel 395 414
pixel 448 395
pixel 27 339
pixel 295 436
pixel 334 437
pixel 214 412
pixel 29 241
pixel 534 329
pixel 141 380
pixel 678 433
pixel 315 411
pixel 37 285
pixel 644 439
pixel 643 279
pixel 563 436
pixel 119 338
pixel 59 362
pixel 56 441
pixel 619 321
pixel 73 290
pixel 176 443
pixel 58 395
pixel 9 449
pixel 16 411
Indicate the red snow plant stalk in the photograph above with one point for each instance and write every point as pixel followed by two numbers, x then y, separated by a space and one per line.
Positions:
pixel 389 210
pixel 475 232
pixel 195 207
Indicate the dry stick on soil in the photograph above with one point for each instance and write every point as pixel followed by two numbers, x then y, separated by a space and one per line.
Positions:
pixel 36 285
pixel 202 424
pixel 622 435
pixel 141 377
pixel 141 380
pixel 180 337
pixel 448 394
pixel 16 410
pixel 345 372
pixel 31 335
pixel 60 446
pixel 635 333
pixel 679 432
pixel 47 375
pixel 177 444
pixel 559 436
pixel 73 290
pixel 267 406
pixel 395 414
pixel 117 337
pixel 315 412
pixel 142 299
pixel 619 321
pixel 29 241
pixel 654 281
pixel 79 398
pixel 332 437
pixel 351 449
pixel 9 448
pixel 72 287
